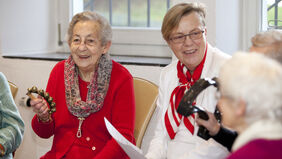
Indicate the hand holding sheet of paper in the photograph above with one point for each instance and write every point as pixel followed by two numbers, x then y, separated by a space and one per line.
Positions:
pixel 131 150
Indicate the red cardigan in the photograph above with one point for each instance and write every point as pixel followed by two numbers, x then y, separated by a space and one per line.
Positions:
pixel 96 142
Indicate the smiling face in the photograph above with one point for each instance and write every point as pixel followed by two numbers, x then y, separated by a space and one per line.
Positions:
pixel 86 47
pixel 190 52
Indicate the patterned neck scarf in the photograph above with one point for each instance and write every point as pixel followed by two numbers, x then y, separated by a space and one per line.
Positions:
pixel 97 89
pixel 186 80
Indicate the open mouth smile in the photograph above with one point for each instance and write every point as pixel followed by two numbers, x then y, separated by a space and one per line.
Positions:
pixel 192 51
pixel 83 56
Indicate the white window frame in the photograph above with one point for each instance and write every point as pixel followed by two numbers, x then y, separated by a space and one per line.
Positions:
pixel 127 41
pixel 252 20
pixel 266 11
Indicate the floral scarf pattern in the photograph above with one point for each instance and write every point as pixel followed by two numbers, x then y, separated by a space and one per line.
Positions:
pixel 97 89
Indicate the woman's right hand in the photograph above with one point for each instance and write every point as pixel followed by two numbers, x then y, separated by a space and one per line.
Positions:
pixel 40 107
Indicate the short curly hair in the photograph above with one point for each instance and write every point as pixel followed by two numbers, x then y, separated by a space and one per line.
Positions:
pixel 105 27
pixel 272 39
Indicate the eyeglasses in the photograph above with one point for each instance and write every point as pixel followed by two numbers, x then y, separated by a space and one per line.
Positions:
pixel 88 41
pixel 182 37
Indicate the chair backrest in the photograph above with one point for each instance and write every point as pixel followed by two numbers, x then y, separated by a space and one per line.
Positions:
pixel 146 94
pixel 14 89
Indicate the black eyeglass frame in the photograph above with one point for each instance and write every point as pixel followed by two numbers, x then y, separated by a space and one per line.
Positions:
pixel 185 35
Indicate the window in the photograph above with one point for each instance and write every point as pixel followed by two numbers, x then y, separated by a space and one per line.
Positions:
pixel 136 24
pixel 130 13
pixel 274 14
pixel 43 30
pixel 257 16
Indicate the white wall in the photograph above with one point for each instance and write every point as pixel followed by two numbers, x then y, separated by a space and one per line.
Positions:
pixel 228 25
pixel 28 26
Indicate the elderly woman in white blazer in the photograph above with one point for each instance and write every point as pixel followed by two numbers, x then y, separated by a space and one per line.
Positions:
pixel 175 136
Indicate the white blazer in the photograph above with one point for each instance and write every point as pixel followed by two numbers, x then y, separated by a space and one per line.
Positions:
pixel 185 145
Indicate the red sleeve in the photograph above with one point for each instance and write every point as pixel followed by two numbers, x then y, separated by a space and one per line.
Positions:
pixel 123 119
pixel 46 130
pixel 43 130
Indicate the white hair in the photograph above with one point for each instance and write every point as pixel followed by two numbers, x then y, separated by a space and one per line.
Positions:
pixel 255 79
pixel 267 38
pixel 271 39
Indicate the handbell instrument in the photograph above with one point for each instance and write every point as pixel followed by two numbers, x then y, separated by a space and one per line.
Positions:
pixel 45 95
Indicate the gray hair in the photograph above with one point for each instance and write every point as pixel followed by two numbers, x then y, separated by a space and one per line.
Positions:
pixel 272 39
pixel 105 27
pixel 255 79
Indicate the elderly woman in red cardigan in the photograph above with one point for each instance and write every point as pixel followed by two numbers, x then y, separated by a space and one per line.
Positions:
pixel 87 87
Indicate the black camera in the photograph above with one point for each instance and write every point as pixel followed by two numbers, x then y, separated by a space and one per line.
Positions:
pixel 186 108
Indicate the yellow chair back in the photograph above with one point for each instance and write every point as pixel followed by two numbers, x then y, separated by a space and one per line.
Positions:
pixel 14 89
pixel 146 94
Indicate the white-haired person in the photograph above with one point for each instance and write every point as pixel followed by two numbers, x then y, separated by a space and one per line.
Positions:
pixel 250 101
pixel 268 43
pixel 175 136
pixel 87 87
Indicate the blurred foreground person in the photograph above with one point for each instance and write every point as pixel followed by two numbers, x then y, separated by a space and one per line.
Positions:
pixel 268 43
pixel 11 123
pixel 250 101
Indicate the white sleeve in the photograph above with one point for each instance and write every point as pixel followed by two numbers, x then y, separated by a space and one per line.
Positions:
pixel 158 145
pixel 209 149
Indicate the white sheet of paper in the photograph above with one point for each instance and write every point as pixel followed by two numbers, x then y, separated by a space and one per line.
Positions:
pixel 131 150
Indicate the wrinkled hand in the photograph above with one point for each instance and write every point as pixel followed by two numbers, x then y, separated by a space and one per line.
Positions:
pixel 212 124
pixel 40 107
